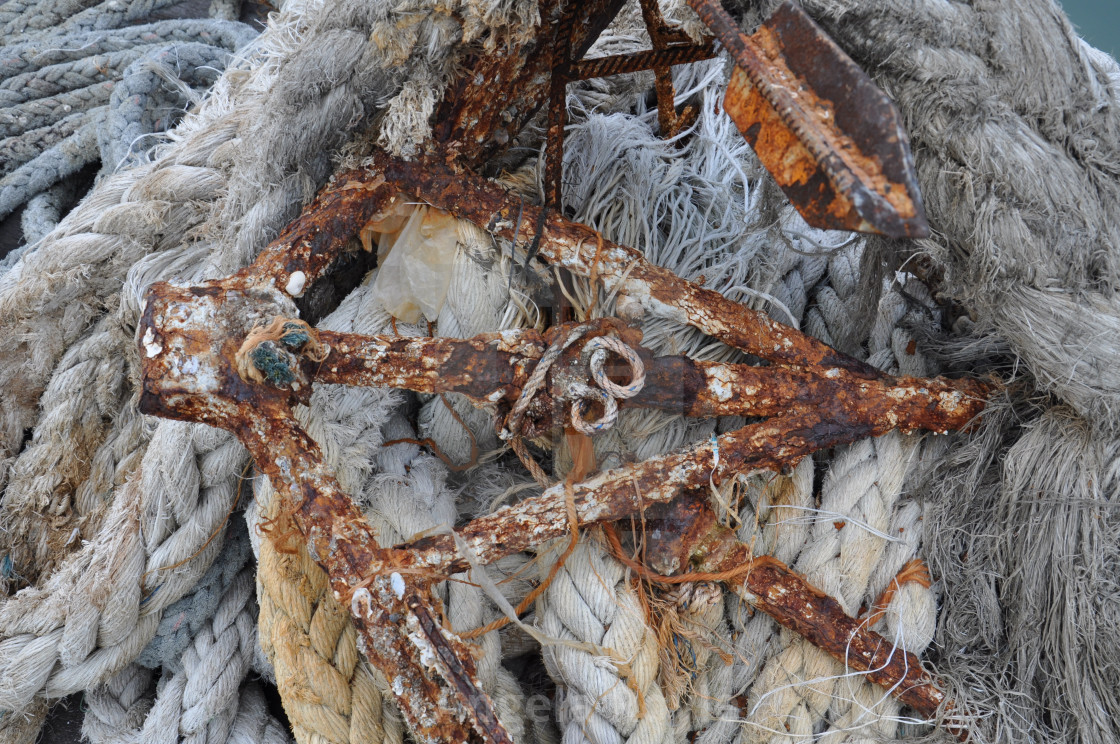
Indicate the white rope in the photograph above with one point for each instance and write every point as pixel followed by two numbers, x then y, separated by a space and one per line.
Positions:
pixel 604 699
pixel 802 687
pixel 478 301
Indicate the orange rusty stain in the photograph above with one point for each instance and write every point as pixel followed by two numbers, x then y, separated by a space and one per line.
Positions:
pixel 792 94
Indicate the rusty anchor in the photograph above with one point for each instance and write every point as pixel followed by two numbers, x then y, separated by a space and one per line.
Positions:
pixel 189 338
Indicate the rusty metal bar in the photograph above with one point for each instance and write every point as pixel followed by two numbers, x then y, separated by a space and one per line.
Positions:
pixel 558 107
pixel 773 444
pixel 829 136
pixel 685 535
pixel 485 368
pixel 493 367
pixel 189 344
pixel 501 93
pixel 620 64
pixel 574 246
pixel 305 249
pixel 663 37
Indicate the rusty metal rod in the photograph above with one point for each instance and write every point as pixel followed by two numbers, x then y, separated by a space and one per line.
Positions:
pixel 189 341
pixel 485 368
pixel 818 618
pixel 491 104
pixel 305 249
pixel 494 366
pixel 619 64
pixel 574 246
pixel 687 536
pixel 773 444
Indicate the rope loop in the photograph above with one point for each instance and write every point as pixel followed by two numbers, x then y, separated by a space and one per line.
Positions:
pixel 595 355
pixel 607 393
pixel 516 418
pixel 583 395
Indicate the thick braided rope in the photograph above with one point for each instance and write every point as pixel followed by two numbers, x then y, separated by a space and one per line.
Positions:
pixel 43 212
pixel 117 712
pixel 614 697
pixel 407 494
pixel 19 149
pixel 66 76
pixel 141 102
pixel 860 513
pixel 119 705
pixel 1018 165
pixel 46 477
pixel 198 697
pixel 69 16
pixel 71 634
pixel 329 691
pixel 182 621
pixel 42 51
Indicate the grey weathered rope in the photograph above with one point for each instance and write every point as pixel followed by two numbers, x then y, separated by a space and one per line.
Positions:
pixel 56 163
pixel 44 211
pixel 21 148
pixel 16 13
pixel 142 102
pixel 70 16
pixel 53 48
pixel 61 111
pixel 182 620
pixel 65 76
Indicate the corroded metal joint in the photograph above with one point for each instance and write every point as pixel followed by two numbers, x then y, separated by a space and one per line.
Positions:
pixel 188 343
pixel 278 353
